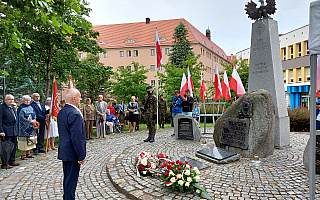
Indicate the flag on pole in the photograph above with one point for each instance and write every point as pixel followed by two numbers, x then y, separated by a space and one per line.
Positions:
pixel 184 84
pixel 54 108
pixel 225 87
pixel 217 85
pixel 190 84
pixel 71 85
pixel 159 53
pixel 236 83
pixel 202 90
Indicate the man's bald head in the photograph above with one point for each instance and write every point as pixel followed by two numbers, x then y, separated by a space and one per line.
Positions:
pixel 73 97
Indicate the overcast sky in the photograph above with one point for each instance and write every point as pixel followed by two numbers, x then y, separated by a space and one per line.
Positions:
pixel 230 27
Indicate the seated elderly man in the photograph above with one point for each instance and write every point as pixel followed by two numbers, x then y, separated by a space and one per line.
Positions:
pixel 110 120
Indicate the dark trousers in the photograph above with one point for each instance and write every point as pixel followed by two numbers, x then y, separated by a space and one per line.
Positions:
pixel 89 129
pixel 12 139
pixel 70 179
pixel 40 138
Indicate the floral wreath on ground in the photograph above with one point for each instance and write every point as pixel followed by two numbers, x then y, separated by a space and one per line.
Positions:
pixel 177 175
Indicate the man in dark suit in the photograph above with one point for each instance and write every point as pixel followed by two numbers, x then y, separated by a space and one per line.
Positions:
pixel 72 142
pixel 8 127
pixel 40 111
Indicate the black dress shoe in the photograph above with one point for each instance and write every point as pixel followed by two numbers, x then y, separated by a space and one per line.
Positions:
pixel 41 151
pixel 147 140
pixel 151 140
pixel 173 135
pixel 35 152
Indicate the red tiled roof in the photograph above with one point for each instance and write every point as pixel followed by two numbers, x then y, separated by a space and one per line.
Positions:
pixel 115 35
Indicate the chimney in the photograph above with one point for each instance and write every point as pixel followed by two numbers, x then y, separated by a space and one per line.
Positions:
pixel 147 20
pixel 208 33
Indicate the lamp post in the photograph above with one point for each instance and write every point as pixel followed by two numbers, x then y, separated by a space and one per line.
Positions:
pixel 4 81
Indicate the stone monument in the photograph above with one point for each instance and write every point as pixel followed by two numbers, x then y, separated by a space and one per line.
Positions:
pixel 306 154
pixel 247 126
pixel 265 71
pixel 186 128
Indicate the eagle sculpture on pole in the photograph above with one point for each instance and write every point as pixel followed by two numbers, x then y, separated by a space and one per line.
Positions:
pixel 261 12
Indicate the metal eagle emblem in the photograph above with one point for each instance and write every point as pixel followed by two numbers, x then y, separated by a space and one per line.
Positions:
pixel 261 12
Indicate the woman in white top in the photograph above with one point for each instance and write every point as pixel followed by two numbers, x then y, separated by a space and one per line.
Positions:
pixel 53 127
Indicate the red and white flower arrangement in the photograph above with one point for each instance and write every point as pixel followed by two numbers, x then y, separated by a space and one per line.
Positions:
pixel 177 175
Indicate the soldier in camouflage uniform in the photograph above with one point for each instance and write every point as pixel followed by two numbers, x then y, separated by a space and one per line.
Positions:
pixel 162 111
pixel 139 116
pixel 150 110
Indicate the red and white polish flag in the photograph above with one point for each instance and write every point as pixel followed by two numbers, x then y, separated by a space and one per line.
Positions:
pixel 202 90
pixel 225 87
pixel 217 85
pixel 159 53
pixel 236 83
pixel 71 85
pixel 190 84
pixel 184 84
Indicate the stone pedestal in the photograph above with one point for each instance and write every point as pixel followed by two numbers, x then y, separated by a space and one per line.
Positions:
pixel 186 128
pixel 265 72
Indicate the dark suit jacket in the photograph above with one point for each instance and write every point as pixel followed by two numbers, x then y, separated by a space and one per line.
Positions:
pixel 8 121
pixel 41 114
pixel 72 135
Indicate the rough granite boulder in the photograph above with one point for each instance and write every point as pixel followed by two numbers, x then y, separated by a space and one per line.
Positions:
pixel 261 119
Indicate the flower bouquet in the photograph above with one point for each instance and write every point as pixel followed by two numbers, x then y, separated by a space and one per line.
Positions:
pixel 177 175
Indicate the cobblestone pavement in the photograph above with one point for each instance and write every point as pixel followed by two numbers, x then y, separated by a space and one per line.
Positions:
pixel 109 170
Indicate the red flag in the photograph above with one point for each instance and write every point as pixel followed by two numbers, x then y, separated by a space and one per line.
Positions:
pixel 71 85
pixel 159 54
pixel 217 86
pixel 225 87
pixel 54 108
pixel 190 84
pixel 202 90
pixel 236 83
pixel 184 84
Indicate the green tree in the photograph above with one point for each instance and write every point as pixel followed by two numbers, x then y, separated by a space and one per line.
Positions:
pixel 172 76
pixel 54 32
pixel 181 47
pixel 129 81
pixel 94 75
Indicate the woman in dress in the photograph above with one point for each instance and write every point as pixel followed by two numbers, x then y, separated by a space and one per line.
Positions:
pixel 26 123
pixel 53 127
pixel 133 112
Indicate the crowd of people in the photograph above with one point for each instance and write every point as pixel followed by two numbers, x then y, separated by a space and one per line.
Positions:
pixel 28 125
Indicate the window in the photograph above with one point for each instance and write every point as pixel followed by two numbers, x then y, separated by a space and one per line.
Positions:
pixel 153 82
pixel 135 53
pixel 128 53
pixel 153 67
pixel 284 53
pixel 284 76
pixel 121 53
pixel 129 41
pixel 167 51
pixel 299 75
pixel 291 76
pixel 160 84
pixel 99 54
pixel 152 52
pixel 307 45
pixel 291 52
pixel 106 55
pixel 160 68
pixel 136 68
pixel 308 73
pixel 299 49
pixel 80 55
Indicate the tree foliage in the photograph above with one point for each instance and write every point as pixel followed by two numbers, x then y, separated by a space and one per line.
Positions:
pixel 181 47
pixel 129 81
pixel 46 36
pixel 94 75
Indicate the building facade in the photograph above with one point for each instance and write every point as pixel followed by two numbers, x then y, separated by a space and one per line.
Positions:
pixel 125 43
pixel 296 66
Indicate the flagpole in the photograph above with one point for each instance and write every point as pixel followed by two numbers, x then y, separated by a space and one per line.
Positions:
pixel 157 79
pixel 54 78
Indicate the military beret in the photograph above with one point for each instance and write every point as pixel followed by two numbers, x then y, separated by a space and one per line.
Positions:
pixel 161 95
pixel 149 87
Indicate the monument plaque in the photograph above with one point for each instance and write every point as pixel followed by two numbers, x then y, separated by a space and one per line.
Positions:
pixel 185 129
pixel 194 163
pixel 235 133
pixel 217 155
pixel 318 154
pixel 306 155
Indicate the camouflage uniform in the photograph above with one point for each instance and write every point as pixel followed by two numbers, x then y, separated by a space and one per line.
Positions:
pixel 150 112
pixel 162 112
pixel 139 116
